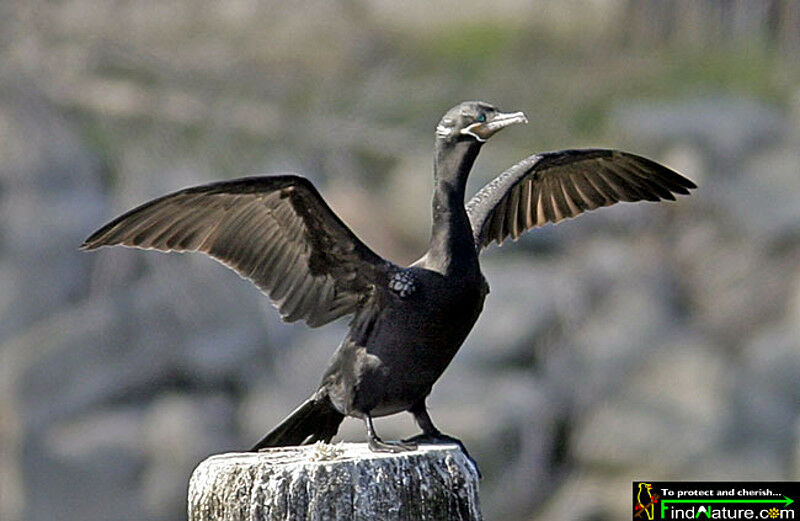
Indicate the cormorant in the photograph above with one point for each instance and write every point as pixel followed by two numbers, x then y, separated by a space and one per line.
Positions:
pixel 407 322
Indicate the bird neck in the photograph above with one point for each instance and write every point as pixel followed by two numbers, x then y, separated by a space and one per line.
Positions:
pixel 452 247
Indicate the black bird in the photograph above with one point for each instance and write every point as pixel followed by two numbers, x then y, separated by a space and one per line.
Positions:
pixel 407 322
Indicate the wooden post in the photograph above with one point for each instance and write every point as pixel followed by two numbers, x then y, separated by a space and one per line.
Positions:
pixel 335 482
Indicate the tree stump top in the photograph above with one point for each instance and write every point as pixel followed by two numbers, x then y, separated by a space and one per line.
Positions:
pixel 331 482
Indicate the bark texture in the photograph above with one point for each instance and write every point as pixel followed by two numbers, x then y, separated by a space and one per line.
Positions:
pixel 335 482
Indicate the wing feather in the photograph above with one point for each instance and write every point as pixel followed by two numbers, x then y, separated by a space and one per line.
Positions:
pixel 512 213
pixel 540 216
pixel 548 211
pixel 276 231
pixel 594 199
pixel 498 221
pixel 554 186
pixel 560 208
pixel 577 203
pixel 573 207
pixel 526 210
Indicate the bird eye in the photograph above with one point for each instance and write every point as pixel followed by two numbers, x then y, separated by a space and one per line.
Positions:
pixel 481 118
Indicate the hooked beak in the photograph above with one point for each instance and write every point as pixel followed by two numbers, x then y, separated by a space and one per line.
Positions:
pixel 501 120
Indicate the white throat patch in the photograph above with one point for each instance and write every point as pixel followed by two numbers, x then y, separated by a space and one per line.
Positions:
pixel 442 131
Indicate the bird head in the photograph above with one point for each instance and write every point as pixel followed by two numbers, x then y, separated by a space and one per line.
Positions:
pixel 475 121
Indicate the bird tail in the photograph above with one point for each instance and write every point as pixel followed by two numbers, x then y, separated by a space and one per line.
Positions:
pixel 315 420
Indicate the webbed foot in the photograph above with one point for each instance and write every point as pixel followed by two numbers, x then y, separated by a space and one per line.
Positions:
pixel 441 438
pixel 378 445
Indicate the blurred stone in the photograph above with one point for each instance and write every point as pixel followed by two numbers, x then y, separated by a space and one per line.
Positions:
pixel 753 460
pixel 179 431
pixel 794 107
pixel 109 428
pixel 629 313
pixel 95 488
pixel 688 160
pixel 773 357
pixel 792 317
pixel 728 128
pixel 626 324
pixel 86 468
pixel 767 398
pixel 406 199
pixel 731 285
pixel 300 359
pixel 50 194
pixel 176 327
pixel 527 300
pixel 795 470
pixel 761 198
pixel 670 410
pixel 460 405
pixel 531 453
pixel 590 495
pixel 369 217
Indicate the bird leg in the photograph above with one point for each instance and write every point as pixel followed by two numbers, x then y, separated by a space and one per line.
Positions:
pixel 430 434
pixel 376 444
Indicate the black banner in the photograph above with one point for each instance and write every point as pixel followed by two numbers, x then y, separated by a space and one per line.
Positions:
pixel 701 500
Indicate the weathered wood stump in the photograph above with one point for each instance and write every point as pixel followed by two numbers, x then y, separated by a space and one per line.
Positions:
pixel 335 482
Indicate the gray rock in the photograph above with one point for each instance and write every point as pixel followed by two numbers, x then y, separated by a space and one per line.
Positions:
pixel 50 194
pixel 767 398
pixel 88 467
pixel 742 460
pixel 178 326
pixel 589 495
pixel 761 198
pixel 526 301
pixel 301 356
pixel 726 127
pixel 177 431
pixel 730 282
pixel 794 472
pixel 671 409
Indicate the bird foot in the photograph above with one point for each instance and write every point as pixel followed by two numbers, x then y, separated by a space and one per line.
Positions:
pixel 441 438
pixel 378 445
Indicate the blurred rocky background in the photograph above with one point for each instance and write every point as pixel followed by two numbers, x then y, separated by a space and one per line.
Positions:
pixel 638 342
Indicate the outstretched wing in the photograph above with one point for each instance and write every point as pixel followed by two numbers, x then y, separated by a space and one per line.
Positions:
pixel 553 186
pixel 276 231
